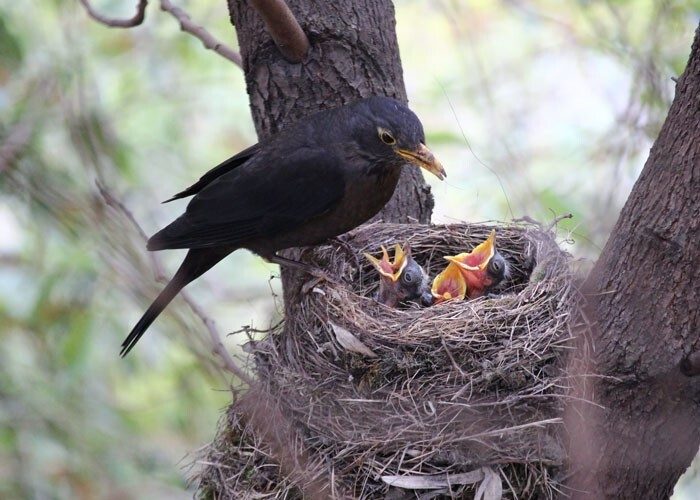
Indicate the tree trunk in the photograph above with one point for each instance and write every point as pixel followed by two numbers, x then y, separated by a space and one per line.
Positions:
pixel 645 298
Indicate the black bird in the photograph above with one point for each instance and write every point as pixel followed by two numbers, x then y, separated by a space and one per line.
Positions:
pixel 318 178
pixel 402 280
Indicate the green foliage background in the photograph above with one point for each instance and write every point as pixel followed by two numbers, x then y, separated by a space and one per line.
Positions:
pixel 535 108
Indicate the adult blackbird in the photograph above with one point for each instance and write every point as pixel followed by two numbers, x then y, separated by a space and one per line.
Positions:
pixel 316 179
pixel 402 280
pixel 483 268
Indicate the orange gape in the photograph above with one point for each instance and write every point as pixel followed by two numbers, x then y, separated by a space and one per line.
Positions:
pixel 449 284
pixel 387 268
pixel 480 270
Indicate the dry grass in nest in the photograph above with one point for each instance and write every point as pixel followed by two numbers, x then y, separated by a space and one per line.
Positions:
pixel 356 392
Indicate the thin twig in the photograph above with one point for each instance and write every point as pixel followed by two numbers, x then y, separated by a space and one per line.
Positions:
pixel 558 219
pixel 186 25
pixel 283 28
pixel 218 347
pixel 136 20
pixel 528 219
pixel 452 359
pixel 15 141
pixel 111 201
pixel 209 41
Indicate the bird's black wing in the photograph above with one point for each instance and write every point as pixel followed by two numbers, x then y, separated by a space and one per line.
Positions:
pixel 258 201
pixel 217 172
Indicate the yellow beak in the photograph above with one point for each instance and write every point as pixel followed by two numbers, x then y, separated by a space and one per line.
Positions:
pixel 424 158
pixel 479 258
pixel 449 284
pixel 386 267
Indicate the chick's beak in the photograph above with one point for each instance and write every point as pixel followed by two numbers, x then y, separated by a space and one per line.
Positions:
pixel 449 284
pixel 424 158
pixel 386 267
pixel 479 258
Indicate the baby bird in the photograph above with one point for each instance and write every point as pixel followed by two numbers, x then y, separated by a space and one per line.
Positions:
pixel 401 280
pixel 483 268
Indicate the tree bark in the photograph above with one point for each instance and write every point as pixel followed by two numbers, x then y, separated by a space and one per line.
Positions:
pixel 645 300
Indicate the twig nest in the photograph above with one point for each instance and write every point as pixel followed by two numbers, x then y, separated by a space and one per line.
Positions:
pixel 425 396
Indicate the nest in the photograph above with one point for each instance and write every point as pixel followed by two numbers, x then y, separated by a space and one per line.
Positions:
pixel 358 400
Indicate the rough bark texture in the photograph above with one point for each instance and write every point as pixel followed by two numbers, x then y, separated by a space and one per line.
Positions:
pixel 645 301
pixel 354 54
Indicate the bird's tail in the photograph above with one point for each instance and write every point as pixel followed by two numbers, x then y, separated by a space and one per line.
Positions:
pixel 196 263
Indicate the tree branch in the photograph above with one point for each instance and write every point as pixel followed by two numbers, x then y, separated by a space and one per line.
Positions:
pixel 218 346
pixel 136 20
pixel 207 39
pixel 186 25
pixel 283 28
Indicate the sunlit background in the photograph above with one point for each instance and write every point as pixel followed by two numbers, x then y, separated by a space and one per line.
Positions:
pixel 536 109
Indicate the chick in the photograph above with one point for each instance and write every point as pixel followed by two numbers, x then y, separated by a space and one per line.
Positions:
pixel 401 280
pixel 483 268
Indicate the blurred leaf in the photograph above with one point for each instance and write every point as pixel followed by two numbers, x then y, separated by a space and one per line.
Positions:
pixel 76 344
pixel 439 137
pixel 11 54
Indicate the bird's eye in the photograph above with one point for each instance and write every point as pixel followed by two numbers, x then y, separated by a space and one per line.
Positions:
pixel 386 137
pixel 407 277
pixel 496 265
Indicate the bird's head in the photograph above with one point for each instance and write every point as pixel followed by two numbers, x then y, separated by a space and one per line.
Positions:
pixel 483 268
pixel 400 280
pixel 392 132
pixel 414 285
